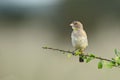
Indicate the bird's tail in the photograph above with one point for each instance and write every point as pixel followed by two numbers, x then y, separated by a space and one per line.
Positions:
pixel 81 58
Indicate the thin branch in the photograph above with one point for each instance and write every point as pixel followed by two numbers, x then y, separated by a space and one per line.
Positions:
pixel 87 55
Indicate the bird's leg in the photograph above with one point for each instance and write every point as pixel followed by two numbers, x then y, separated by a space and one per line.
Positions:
pixel 81 56
pixel 73 53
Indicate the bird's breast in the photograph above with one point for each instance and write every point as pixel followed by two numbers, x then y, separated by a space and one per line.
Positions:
pixel 79 40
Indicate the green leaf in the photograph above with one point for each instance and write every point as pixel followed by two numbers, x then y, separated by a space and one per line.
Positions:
pixel 92 55
pixel 77 52
pixel 100 64
pixel 88 59
pixel 117 60
pixel 69 55
pixel 116 52
pixel 84 57
pixel 109 64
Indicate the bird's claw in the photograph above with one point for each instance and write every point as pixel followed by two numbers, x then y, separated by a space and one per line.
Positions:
pixel 73 53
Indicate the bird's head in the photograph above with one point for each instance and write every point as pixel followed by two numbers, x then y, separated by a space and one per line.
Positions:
pixel 76 25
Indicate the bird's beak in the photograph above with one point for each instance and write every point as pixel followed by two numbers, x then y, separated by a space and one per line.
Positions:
pixel 71 24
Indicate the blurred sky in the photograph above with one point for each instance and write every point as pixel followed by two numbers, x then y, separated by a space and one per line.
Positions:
pixel 27 25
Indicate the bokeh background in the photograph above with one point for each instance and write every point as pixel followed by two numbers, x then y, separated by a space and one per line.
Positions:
pixel 27 25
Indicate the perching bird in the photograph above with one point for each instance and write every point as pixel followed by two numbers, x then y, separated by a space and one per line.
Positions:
pixel 79 38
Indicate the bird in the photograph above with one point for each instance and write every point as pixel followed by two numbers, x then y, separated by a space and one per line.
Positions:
pixel 79 38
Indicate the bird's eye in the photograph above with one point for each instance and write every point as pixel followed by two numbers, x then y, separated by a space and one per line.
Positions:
pixel 75 23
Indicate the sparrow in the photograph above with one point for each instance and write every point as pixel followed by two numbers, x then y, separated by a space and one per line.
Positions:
pixel 79 38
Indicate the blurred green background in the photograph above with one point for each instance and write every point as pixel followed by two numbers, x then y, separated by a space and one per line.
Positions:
pixel 27 25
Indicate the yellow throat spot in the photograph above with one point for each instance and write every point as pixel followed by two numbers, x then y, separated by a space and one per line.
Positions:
pixel 74 28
